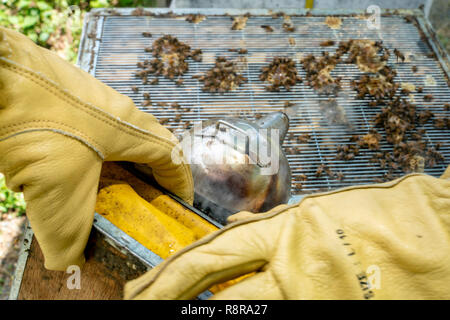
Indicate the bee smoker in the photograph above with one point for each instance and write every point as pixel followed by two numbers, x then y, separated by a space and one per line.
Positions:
pixel 239 165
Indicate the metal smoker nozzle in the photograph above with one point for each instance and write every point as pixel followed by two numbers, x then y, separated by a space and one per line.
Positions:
pixel 244 180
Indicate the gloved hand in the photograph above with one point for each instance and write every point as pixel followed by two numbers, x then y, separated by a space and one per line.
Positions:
pixel 383 241
pixel 57 126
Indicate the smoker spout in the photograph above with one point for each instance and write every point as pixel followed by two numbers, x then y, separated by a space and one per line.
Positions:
pixel 275 120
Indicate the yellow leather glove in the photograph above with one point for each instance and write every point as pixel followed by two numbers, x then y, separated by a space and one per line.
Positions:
pixel 57 126
pixel 384 241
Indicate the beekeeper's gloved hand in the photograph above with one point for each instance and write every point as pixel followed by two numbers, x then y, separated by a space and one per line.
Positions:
pixel 384 241
pixel 57 125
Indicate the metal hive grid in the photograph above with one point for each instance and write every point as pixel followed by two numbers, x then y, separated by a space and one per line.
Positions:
pixel 122 45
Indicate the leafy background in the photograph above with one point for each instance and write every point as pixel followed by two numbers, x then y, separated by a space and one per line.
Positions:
pixel 56 25
pixel 10 202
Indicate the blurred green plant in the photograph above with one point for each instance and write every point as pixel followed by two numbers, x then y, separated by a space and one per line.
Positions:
pixel 10 202
pixel 55 25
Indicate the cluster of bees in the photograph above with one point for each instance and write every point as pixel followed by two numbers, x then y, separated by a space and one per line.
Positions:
pixel 302 139
pixel 239 22
pixel 240 51
pixel 288 26
pixel 223 77
pixel 318 73
pixel 369 56
pixel 379 86
pixel 369 141
pixel 410 152
pixel 281 72
pixel 347 151
pixel 398 117
pixel 442 123
pixel 324 169
pixel 170 57
pixel 408 156
pixel 298 184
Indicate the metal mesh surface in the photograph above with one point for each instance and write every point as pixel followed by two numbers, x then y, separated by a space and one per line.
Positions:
pixel 122 46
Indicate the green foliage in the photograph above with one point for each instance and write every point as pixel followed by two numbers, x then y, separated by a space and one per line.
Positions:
pixel 52 24
pixel 56 25
pixel 10 201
